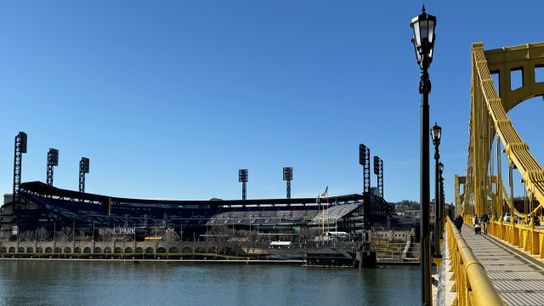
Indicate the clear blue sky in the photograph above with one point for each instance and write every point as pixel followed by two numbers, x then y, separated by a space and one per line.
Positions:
pixel 169 99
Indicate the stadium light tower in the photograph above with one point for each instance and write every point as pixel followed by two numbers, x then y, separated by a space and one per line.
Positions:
pixel 83 168
pixel 378 171
pixel 242 178
pixel 364 160
pixel 288 177
pixel 20 148
pixel 52 161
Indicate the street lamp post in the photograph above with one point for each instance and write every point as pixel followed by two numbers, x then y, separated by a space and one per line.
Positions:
pixel 436 133
pixel 423 39
pixel 442 207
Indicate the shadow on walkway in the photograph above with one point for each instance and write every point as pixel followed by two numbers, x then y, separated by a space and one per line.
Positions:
pixel 517 277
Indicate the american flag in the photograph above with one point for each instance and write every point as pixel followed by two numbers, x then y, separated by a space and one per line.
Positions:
pixel 325 193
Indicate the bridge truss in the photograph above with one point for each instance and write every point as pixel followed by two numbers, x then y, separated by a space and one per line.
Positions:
pixel 492 133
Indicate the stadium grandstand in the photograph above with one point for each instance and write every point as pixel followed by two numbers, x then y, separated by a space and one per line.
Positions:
pixel 50 209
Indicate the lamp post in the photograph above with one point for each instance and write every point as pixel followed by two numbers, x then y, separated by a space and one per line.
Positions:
pixel 423 39
pixel 441 197
pixel 436 133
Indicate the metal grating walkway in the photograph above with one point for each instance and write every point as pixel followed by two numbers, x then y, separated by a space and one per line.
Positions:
pixel 519 279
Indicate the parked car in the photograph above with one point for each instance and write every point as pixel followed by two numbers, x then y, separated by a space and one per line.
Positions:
pixel 507 218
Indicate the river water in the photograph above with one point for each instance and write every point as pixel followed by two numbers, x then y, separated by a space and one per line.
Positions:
pixel 117 283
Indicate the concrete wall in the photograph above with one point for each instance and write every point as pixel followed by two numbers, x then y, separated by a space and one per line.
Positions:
pixel 89 247
pixel 391 235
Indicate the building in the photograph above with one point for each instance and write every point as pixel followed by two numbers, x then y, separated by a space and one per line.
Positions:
pixel 47 212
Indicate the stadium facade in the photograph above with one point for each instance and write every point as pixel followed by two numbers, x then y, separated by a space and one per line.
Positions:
pixel 50 210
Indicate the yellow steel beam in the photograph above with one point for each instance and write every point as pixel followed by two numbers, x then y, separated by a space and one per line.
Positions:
pixel 488 115
pixel 472 284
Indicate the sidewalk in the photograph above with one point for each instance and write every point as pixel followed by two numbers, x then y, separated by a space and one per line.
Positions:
pixel 518 278
pixel 443 294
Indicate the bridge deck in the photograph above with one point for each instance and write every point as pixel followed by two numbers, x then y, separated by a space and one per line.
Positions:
pixel 517 277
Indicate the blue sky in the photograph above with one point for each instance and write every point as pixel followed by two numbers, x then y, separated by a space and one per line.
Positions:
pixel 169 99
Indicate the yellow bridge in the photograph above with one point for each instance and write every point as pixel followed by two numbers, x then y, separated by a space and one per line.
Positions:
pixel 485 270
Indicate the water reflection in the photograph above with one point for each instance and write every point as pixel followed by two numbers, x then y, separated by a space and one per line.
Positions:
pixel 83 283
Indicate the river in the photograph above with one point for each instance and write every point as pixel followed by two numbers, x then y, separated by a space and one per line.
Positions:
pixel 117 283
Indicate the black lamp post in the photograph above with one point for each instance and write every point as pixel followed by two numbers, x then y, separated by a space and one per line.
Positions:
pixel 423 40
pixel 442 208
pixel 436 133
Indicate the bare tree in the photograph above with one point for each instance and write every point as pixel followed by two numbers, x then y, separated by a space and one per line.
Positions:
pixel 164 219
pixel 41 234
pixel 171 235
pixel 220 235
pixel 26 238
pixel 81 235
pixel 65 234
pixel 157 232
pixel 307 235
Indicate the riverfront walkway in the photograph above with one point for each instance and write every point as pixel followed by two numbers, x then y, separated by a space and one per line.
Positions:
pixel 518 277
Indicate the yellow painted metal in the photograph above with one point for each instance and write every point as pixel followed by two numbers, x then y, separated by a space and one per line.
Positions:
pixel 472 284
pixel 525 58
pixel 459 198
pixel 489 121
pixel 483 189
pixel 525 237
pixel 437 261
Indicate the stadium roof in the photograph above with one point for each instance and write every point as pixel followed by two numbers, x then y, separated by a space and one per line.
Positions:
pixel 46 190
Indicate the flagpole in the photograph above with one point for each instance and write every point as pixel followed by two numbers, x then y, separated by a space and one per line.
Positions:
pixel 318 201
pixel 328 226
pixel 324 194
pixel 323 219
pixel 336 220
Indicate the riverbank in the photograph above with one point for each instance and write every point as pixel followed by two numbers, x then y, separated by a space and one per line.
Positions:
pixel 168 252
pixel 394 262
pixel 163 260
pixel 300 262
pixel 291 262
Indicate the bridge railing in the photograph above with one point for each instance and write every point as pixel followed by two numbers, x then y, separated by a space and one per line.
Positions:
pixel 472 284
pixel 526 237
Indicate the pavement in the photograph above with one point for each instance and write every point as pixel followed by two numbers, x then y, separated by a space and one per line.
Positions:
pixel 442 292
pixel 517 276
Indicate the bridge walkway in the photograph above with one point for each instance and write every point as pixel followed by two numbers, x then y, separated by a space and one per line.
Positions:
pixel 518 278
